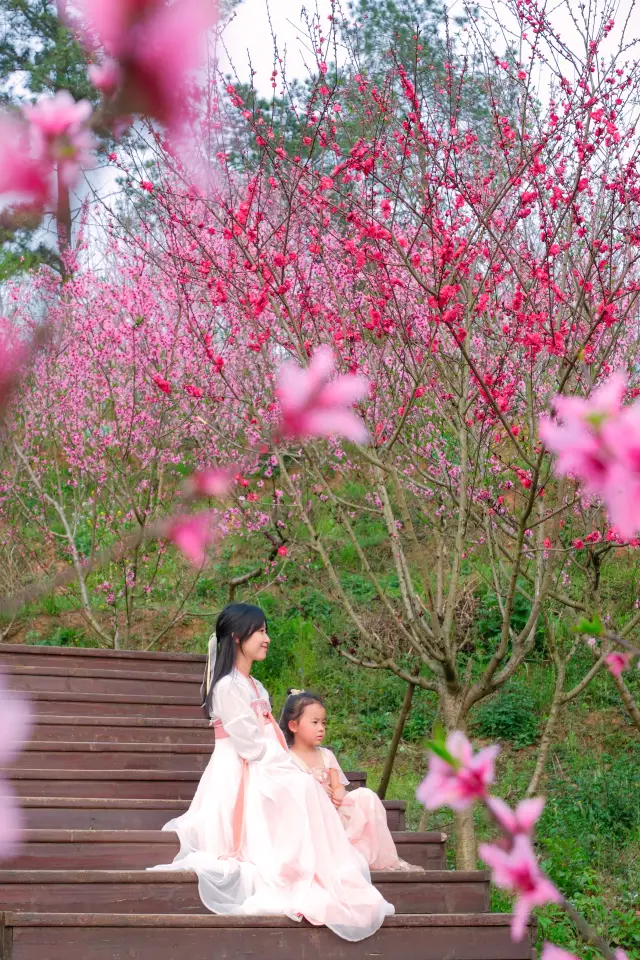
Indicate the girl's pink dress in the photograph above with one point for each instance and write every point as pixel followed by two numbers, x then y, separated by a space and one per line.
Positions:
pixel 363 816
pixel 263 836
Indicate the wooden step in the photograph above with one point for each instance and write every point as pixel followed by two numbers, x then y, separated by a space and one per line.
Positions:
pixel 126 660
pixel 118 813
pixel 137 784
pixel 129 756
pixel 58 679
pixel 117 756
pixel 64 936
pixel 110 784
pixel 65 704
pixel 68 813
pixel 123 730
pixel 129 849
pixel 168 891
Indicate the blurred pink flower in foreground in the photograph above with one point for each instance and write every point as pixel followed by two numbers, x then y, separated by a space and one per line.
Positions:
pixel 193 535
pixel 522 819
pixel 15 723
pixel 315 406
pixel 598 441
pixel 24 177
pixel 518 871
pixel 458 786
pixel 13 357
pixel 105 76
pixel 212 482
pixel 551 952
pixel 155 44
pixel 60 127
pixel 617 662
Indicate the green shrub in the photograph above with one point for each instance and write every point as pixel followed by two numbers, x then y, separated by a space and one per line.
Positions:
pixel 66 637
pixel 509 715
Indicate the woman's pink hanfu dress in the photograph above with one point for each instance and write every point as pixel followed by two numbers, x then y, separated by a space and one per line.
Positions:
pixel 263 836
pixel 362 814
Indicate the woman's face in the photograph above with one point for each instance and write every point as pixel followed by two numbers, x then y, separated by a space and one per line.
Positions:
pixel 256 646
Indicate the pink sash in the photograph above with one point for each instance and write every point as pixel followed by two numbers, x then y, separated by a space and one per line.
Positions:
pixel 261 710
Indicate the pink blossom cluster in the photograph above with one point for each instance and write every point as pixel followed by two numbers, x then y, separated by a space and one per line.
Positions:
pixel 148 50
pixel 598 441
pixel 54 133
pixel 313 405
pixel 461 779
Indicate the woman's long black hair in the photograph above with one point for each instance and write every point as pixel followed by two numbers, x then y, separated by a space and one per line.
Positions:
pixel 236 622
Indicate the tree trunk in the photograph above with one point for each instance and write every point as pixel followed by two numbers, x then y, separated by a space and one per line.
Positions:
pixel 466 855
pixel 465 832
pixel 627 698
pixel 63 221
pixel 549 730
pixel 395 740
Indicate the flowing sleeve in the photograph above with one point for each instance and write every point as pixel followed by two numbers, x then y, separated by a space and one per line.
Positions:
pixel 232 706
pixel 332 764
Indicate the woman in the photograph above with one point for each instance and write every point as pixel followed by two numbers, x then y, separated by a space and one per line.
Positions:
pixel 262 836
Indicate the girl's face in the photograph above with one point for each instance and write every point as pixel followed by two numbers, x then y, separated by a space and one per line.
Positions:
pixel 310 729
pixel 256 646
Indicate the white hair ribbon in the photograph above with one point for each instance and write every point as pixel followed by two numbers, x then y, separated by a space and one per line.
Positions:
pixel 211 660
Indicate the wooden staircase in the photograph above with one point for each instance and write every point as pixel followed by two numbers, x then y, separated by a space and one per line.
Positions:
pixel 118 748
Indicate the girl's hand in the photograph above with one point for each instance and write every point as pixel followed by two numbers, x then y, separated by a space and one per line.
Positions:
pixel 338 796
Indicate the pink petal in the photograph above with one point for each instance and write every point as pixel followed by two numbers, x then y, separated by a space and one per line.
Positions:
pixel 521 914
pixel 528 813
pixel 483 763
pixel 294 388
pixel 323 363
pixel 23 177
pixel 105 76
pixel 617 662
pixel 344 391
pixel 212 482
pixel 607 399
pixel 503 814
pixel 192 535
pixel 459 747
pixel 336 423
pixel 551 952
pixel 15 723
pixel 11 822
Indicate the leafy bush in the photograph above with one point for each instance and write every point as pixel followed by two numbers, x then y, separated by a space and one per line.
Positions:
pixel 509 715
pixel 601 800
pixel 66 637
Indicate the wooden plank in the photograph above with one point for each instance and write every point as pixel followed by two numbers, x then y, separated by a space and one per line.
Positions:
pixel 116 756
pixel 113 705
pixel 62 682
pixel 134 813
pixel 122 659
pixel 131 784
pixel 162 892
pixel 152 937
pixel 89 672
pixel 119 849
pixel 123 729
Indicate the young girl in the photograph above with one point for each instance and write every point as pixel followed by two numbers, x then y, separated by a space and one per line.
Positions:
pixel 263 837
pixel 303 723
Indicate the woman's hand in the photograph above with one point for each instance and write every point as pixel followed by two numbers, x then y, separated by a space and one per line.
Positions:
pixel 338 795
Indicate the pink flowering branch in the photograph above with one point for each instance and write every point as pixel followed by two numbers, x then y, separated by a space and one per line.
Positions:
pixel 457 778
